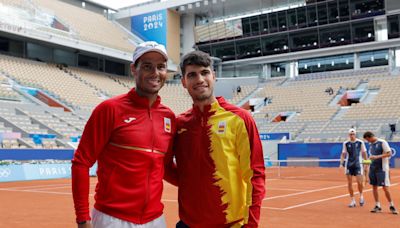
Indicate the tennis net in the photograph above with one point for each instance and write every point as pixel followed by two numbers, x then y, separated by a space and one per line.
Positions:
pixel 305 169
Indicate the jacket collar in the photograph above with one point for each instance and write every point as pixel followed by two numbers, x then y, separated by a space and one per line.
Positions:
pixel 211 108
pixel 142 101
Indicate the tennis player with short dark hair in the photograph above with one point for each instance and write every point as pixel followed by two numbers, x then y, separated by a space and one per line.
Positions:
pixel 219 155
pixel 354 150
pixel 380 154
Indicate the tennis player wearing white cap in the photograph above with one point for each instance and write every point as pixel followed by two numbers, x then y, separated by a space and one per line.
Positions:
pixel 351 159
pixel 128 135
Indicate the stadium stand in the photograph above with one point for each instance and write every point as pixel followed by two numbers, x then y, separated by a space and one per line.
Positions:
pixel 21 122
pixel 314 119
pixel 3 128
pixel 317 116
pixel 51 79
pixel 306 97
pixel 385 105
pixel 53 123
pixel 36 126
pixel 100 81
pixel 245 91
pixel 72 119
pixel 96 29
pixel 6 91
pixel 175 97
pixel 127 82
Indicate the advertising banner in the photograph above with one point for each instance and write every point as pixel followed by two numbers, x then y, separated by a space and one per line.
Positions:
pixel 151 26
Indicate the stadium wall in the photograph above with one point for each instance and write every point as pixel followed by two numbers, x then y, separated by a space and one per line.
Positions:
pixel 25 172
pixel 39 170
pixel 36 154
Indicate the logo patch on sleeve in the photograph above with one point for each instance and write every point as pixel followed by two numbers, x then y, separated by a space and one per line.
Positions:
pixel 221 127
pixel 167 124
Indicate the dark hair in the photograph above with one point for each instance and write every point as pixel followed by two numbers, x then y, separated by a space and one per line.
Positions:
pixel 368 135
pixel 198 58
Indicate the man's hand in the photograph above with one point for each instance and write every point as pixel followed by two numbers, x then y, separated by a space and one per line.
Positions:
pixel 373 157
pixel 86 225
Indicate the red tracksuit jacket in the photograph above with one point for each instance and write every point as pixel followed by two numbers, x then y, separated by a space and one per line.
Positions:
pixel 220 167
pixel 129 141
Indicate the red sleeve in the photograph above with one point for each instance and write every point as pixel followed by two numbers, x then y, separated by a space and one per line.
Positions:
pixel 258 168
pixel 171 171
pixel 95 136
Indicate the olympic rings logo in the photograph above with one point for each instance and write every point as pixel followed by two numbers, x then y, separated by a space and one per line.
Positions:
pixel 5 172
pixel 393 152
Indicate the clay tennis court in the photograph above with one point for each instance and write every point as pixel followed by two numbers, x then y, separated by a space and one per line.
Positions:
pixel 300 197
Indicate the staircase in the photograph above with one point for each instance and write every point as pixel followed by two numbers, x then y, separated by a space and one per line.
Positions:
pixel 370 96
pixel 341 113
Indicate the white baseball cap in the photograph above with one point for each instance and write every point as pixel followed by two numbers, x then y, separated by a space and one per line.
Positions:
pixel 149 46
pixel 352 131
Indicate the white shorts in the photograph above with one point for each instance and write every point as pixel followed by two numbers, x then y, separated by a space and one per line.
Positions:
pixel 101 220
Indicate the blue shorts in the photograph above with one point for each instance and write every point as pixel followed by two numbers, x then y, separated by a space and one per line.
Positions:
pixel 354 171
pixel 379 178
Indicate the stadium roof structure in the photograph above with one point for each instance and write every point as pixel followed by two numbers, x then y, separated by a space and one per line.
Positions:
pixel 101 4
pixel 216 9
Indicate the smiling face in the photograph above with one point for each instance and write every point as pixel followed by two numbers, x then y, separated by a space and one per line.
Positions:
pixel 199 82
pixel 150 73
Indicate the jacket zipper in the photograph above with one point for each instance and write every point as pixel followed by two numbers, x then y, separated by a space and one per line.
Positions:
pixel 147 193
pixel 152 129
pixel 149 168
pixel 204 134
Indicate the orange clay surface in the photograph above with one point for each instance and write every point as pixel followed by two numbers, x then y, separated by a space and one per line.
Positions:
pixel 302 199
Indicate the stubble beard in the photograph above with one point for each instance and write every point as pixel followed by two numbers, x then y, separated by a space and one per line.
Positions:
pixel 202 98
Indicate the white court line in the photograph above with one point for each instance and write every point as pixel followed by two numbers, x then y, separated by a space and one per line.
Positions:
pixel 66 186
pixel 293 177
pixel 268 180
pixel 311 175
pixel 273 208
pixel 37 191
pixel 326 199
pixel 62 193
pixel 318 201
pixel 286 189
pixel 314 190
pixel 304 192
pixel 44 187
pixel 36 186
